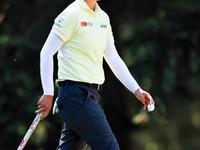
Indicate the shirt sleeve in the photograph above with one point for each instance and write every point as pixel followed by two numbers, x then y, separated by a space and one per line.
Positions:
pixel 65 25
pixel 119 68
pixel 51 46
pixel 109 31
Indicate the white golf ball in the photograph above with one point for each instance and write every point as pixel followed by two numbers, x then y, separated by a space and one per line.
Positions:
pixel 150 107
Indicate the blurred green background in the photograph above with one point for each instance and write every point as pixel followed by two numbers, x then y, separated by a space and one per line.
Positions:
pixel 159 41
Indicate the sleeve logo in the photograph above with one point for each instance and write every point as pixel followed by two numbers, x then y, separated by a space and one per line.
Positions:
pixel 58 22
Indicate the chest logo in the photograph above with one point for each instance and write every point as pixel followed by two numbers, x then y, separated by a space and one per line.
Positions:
pixel 103 26
pixel 86 24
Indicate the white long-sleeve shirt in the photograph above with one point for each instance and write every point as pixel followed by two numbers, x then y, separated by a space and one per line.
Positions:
pixel 54 43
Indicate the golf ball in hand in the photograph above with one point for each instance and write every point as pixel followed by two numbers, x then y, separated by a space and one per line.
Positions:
pixel 151 107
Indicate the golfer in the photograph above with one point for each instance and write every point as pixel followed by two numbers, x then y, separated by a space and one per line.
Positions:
pixel 83 37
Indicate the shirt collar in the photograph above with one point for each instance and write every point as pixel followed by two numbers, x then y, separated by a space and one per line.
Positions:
pixel 85 6
pixel 97 8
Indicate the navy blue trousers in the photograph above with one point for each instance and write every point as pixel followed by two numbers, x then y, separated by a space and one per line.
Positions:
pixel 84 120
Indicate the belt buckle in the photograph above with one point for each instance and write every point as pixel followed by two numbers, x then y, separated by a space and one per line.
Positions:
pixel 98 87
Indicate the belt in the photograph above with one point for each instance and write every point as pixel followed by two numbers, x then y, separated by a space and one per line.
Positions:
pixel 68 82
